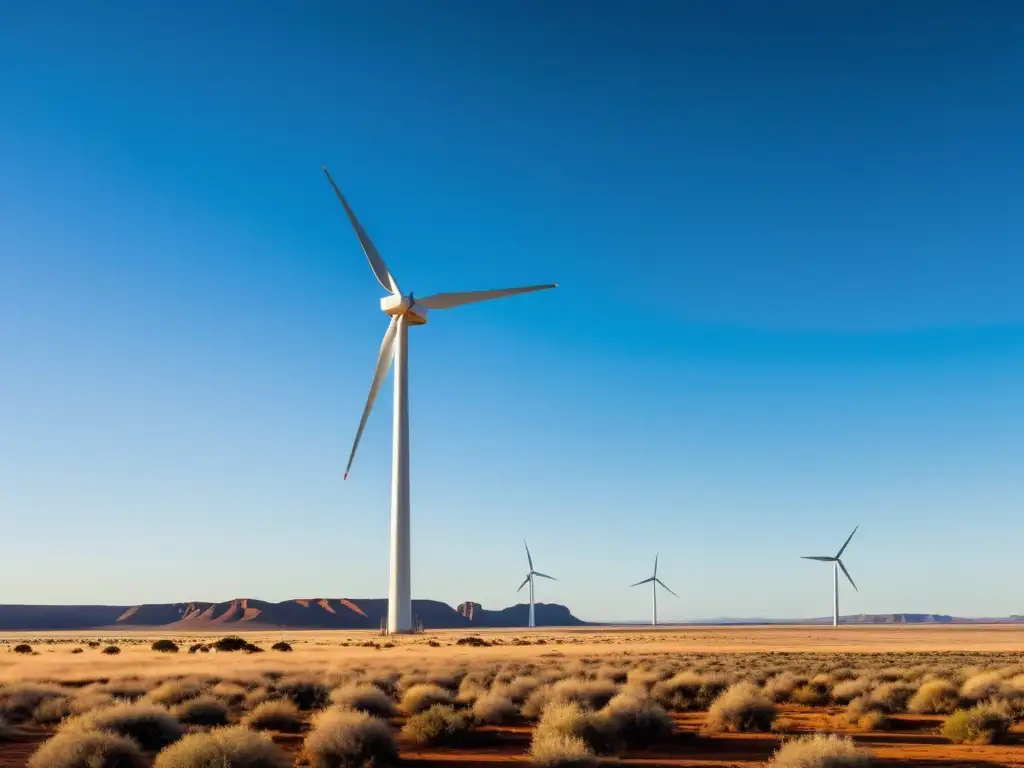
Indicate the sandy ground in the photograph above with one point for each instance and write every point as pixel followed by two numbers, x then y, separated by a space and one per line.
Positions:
pixel 911 740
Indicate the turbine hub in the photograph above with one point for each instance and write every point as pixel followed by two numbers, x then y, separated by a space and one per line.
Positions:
pixel 397 305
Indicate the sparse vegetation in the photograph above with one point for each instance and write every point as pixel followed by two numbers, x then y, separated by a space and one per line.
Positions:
pixel 365 698
pixel 345 738
pixel 742 707
pixel 234 747
pixel 111 650
pixel 202 710
pixel 423 696
pixel 87 749
pixel 165 646
pixel 150 726
pixel 982 724
pixel 280 715
pixel 441 724
pixel 281 646
pixel 23 648
pixel 820 751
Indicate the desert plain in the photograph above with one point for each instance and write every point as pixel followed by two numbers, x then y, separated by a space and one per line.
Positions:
pixel 948 695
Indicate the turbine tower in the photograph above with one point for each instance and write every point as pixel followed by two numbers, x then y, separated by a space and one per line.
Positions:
pixel 655 581
pixel 404 311
pixel 836 565
pixel 529 580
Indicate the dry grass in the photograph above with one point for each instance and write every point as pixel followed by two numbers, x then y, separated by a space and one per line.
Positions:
pixel 494 708
pixel 423 696
pixel 345 738
pixel 87 749
pixel 934 697
pixel 442 724
pixel 202 710
pixel 366 698
pixel 150 726
pixel 742 707
pixel 820 751
pixel 281 715
pixel 982 724
pixel 234 747
pixel 638 719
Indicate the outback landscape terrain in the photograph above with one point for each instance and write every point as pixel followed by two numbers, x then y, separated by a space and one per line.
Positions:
pixel 912 694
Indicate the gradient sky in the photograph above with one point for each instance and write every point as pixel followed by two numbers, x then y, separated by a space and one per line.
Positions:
pixel 788 237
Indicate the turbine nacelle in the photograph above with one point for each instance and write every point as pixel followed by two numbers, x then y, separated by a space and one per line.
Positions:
pixel 397 305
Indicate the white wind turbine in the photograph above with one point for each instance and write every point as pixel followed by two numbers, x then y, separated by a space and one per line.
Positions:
pixel 836 565
pixel 529 580
pixel 404 312
pixel 654 581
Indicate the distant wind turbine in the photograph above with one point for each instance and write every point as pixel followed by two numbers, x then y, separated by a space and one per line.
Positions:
pixel 836 565
pixel 529 580
pixel 654 581
pixel 404 312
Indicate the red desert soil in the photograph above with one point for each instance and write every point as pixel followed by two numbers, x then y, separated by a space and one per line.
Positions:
pixel 913 741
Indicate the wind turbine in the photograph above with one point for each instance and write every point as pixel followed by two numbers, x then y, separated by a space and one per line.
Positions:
pixel 655 581
pixel 404 312
pixel 529 580
pixel 836 565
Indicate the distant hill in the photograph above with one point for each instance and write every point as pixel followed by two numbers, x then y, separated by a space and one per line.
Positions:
pixel 246 613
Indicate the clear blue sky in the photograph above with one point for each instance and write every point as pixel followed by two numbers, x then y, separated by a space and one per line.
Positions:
pixel 788 237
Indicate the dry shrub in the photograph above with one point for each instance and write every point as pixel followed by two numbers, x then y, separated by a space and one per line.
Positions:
pixel 52 711
pixel 232 694
pixel 237 747
pixel 366 698
pixel 742 707
pixel 89 699
pixel 688 691
pixel 175 692
pixel 934 697
pixel 810 695
pixel 873 720
pixel 563 718
pixel 780 688
pixel 19 701
pixel 305 692
pixel 345 738
pixel 819 751
pixel 645 678
pixel 553 749
pixel 518 688
pixel 638 719
pixel 848 690
pixel 441 724
pixel 129 690
pixel 892 698
pixel 150 726
pixel 983 724
pixel 202 710
pixel 984 685
pixel 87 749
pixel 423 696
pixel 493 708
pixel 281 715
pixel 470 689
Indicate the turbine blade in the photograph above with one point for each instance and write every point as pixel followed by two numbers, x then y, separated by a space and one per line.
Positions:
pixel 655 566
pixel 544 575
pixel 451 300
pixel 843 548
pixel 387 354
pixel 663 585
pixel 525 582
pixel 529 559
pixel 645 581
pixel 847 574
pixel 380 269
pixel 822 559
